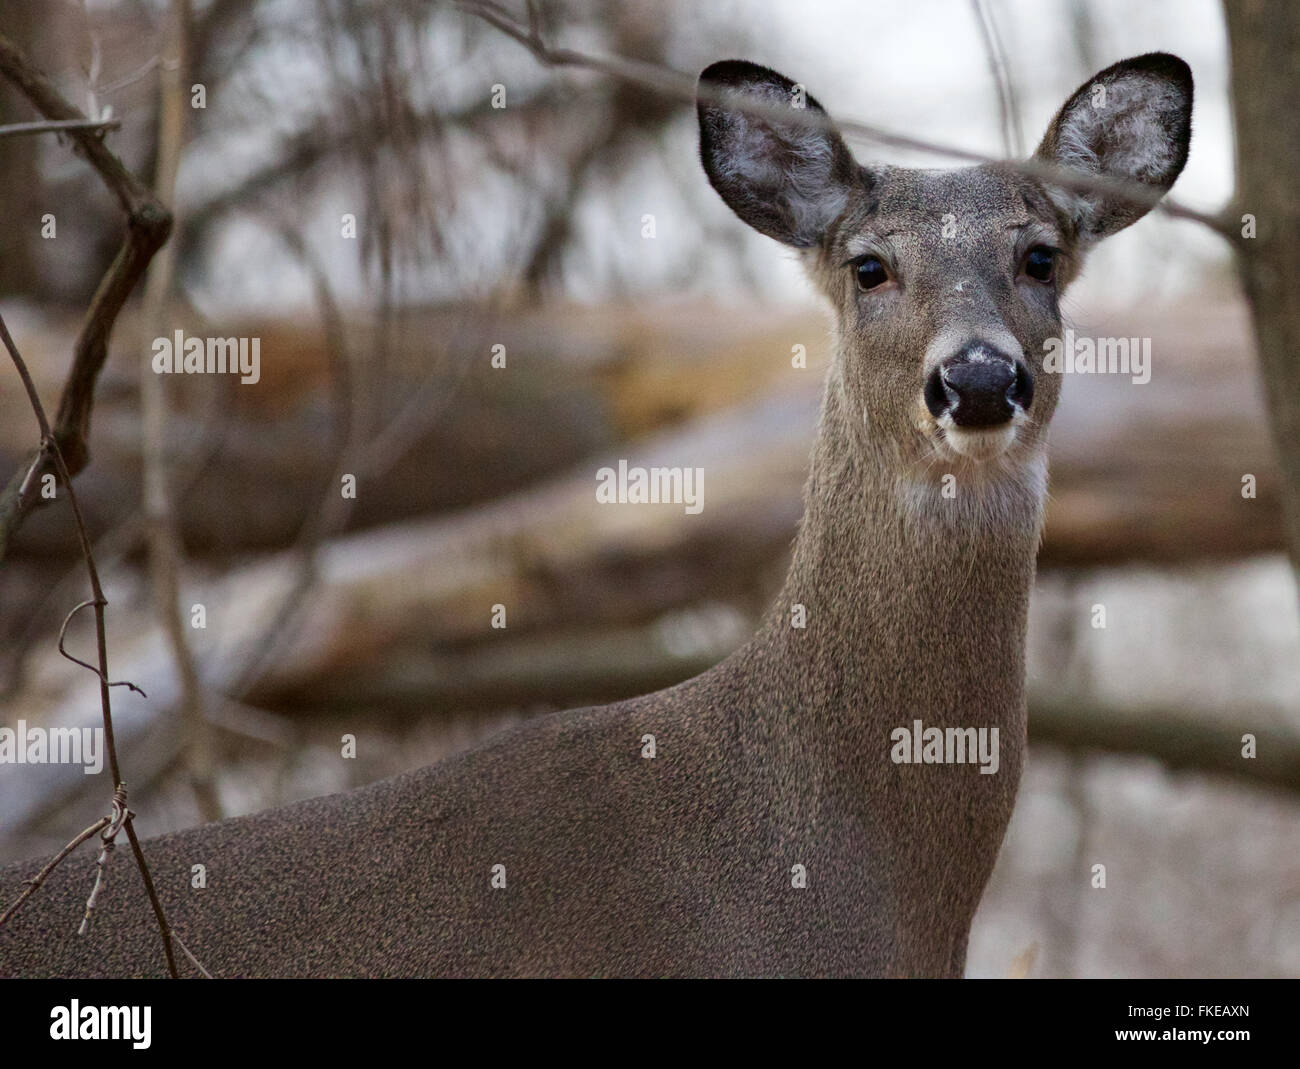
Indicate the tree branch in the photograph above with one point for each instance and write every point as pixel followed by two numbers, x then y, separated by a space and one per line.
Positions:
pixel 60 126
pixel 674 83
pixel 148 225
pixel 1000 73
pixel 35 882
pixel 163 536
pixel 1181 739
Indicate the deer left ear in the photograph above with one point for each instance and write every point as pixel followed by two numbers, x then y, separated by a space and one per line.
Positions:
pixel 1134 121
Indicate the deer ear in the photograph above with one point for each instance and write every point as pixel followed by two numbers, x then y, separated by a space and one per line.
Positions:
pixel 1133 121
pixel 789 181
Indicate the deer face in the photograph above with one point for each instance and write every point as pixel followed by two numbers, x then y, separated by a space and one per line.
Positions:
pixel 945 283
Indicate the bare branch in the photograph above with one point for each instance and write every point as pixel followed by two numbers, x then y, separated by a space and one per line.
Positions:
pixel 126 537
pixel 163 535
pixel 1008 108
pixel 35 882
pixel 677 84
pixel 109 838
pixel 148 225
pixel 348 430
pixel 60 126
pixel 63 634
pixel 186 951
pixel 164 928
pixel 134 76
pixel 50 445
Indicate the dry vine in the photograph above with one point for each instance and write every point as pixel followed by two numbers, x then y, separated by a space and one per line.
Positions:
pixel 121 816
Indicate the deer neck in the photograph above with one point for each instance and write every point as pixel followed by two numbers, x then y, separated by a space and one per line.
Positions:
pixel 914 604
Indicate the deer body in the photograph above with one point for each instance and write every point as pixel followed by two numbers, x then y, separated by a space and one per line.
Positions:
pixel 772 833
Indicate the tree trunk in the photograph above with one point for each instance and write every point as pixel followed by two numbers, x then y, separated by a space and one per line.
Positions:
pixel 1265 48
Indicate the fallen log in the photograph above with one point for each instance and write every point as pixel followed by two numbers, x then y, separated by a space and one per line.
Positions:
pixel 1147 471
pixel 449 429
pixel 594 667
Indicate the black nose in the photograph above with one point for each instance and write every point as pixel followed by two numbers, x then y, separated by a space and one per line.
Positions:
pixel 979 388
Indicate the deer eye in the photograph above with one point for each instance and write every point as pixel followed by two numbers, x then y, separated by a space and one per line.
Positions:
pixel 1040 263
pixel 870 273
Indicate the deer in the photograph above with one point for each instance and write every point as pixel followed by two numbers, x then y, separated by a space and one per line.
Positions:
pixel 782 826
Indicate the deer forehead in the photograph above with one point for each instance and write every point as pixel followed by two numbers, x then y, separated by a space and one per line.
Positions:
pixel 941 213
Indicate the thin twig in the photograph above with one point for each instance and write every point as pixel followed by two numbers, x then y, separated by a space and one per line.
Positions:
pixel 164 928
pixel 163 535
pixel 131 78
pixel 674 83
pixel 108 837
pixel 348 433
pixel 60 126
pixel 99 602
pixel 186 951
pixel 999 71
pixel 101 866
pixel 199 449
pixel 35 882
pixel 63 633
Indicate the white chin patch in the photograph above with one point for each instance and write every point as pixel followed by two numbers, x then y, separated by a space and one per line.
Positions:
pixel 980 444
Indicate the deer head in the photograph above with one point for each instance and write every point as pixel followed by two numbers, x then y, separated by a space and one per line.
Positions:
pixel 945 283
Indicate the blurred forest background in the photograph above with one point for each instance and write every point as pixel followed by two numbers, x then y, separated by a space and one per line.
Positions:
pixel 389 195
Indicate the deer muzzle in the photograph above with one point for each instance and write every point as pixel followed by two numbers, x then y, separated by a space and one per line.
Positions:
pixel 979 389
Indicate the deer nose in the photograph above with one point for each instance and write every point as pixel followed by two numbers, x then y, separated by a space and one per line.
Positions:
pixel 978 388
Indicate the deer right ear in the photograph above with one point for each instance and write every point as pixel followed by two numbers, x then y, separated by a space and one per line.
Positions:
pixel 788 180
